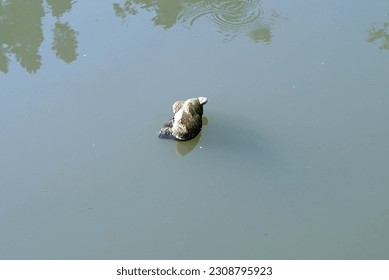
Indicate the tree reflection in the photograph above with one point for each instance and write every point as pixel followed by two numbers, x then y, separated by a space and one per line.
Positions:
pixel 59 7
pixel 232 17
pixel 65 42
pixel 380 34
pixel 21 33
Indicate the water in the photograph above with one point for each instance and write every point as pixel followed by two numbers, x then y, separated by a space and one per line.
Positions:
pixel 291 164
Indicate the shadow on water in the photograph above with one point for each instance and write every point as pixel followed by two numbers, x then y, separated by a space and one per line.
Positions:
pixel 232 138
pixel 381 34
pixel 231 17
pixel 235 138
pixel 21 32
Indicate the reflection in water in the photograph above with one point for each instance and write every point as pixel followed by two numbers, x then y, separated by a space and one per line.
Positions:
pixel 378 34
pixel 185 147
pixel 65 42
pixel 59 7
pixel 232 17
pixel 21 33
pixel 123 11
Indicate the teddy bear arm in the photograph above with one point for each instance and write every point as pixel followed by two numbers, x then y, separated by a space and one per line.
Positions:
pixel 169 123
pixel 166 133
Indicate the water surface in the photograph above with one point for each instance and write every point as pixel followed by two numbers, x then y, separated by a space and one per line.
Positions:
pixel 292 163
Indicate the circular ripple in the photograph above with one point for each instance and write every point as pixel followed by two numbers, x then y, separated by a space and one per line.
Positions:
pixel 231 16
pixel 235 13
pixel 190 12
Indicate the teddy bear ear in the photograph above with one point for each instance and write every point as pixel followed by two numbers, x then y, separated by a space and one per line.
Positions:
pixel 177 106
pixel 203 100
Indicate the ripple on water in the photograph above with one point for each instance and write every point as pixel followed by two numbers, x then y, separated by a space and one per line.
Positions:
pixel 232 17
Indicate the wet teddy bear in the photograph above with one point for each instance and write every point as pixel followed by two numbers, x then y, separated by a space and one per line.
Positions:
pixel 187 120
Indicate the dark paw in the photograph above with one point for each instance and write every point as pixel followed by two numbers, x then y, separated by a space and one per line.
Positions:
pixel 166 133
pixel 169 123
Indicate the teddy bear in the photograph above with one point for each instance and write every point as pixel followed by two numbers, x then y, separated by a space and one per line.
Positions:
pixel 186 122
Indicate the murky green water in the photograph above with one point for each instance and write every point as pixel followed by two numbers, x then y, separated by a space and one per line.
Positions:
pixel 292 164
